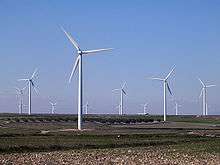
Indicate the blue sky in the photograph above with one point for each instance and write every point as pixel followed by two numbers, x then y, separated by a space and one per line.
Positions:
pixel 149 37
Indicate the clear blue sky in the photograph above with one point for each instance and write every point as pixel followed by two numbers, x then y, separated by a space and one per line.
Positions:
pixel 149 37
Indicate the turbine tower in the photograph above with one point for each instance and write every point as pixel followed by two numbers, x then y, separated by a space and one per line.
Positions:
pixel 30 83
pixel 53 105
pixel 20 93
pixel 78 63
pixel 122 92
pixel 165 87
pixel 204 96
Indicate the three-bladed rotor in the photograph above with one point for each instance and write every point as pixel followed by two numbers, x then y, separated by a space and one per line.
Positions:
pixel 31 81
pixel 165 80
pixel 204 86
pixel 121 89
pixel 80 52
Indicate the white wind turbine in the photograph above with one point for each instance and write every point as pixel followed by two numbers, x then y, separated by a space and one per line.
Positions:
pixel 177 107
pixel 30 82
pixel 20 93
pixel 53 105
pixel 78 63
pixel 122 92
pixel 145 108
pixel 165 87
pixel 204 95
pixel 119 108
pixel 86 106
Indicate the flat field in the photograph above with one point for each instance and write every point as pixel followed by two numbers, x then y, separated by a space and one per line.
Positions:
pixel 109 139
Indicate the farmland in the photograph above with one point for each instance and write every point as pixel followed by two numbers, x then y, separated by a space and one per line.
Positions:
pixel 56 136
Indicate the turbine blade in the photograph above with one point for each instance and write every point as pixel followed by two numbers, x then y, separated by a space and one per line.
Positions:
pixel 168 87
pixel 95 51
pixel 71 39
pixel 201 93
pixel 115 90
pixel 17 89
pixel 74 69
pixel 23 80
pixel 203 84
pixel 124 92
pixel 155 78
pixel 208 86
pixel 35 89
pixel 33 75
pixel 24 88
pixel 123 85
pixel 170 73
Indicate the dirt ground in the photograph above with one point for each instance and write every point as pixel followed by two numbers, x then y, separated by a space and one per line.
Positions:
pixel 128 156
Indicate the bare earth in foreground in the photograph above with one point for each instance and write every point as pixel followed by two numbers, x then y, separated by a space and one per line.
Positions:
pixel 132 156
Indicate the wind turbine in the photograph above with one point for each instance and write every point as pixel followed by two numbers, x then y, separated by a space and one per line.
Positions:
pixel 165 87
pixel 86 108
pixel 145 108
pixel 177 107
pixel 30 82
pixel 122 91
pixel 119 108
pixel 204 95
pixel 78 63
pixel 20 93
pixel 53 105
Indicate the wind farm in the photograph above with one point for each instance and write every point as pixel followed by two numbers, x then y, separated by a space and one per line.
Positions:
pixel 109 83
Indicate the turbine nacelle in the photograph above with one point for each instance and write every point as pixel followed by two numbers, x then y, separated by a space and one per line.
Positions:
pixel 80 52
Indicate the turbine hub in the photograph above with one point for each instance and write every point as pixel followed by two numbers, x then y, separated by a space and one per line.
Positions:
pixel 80 52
